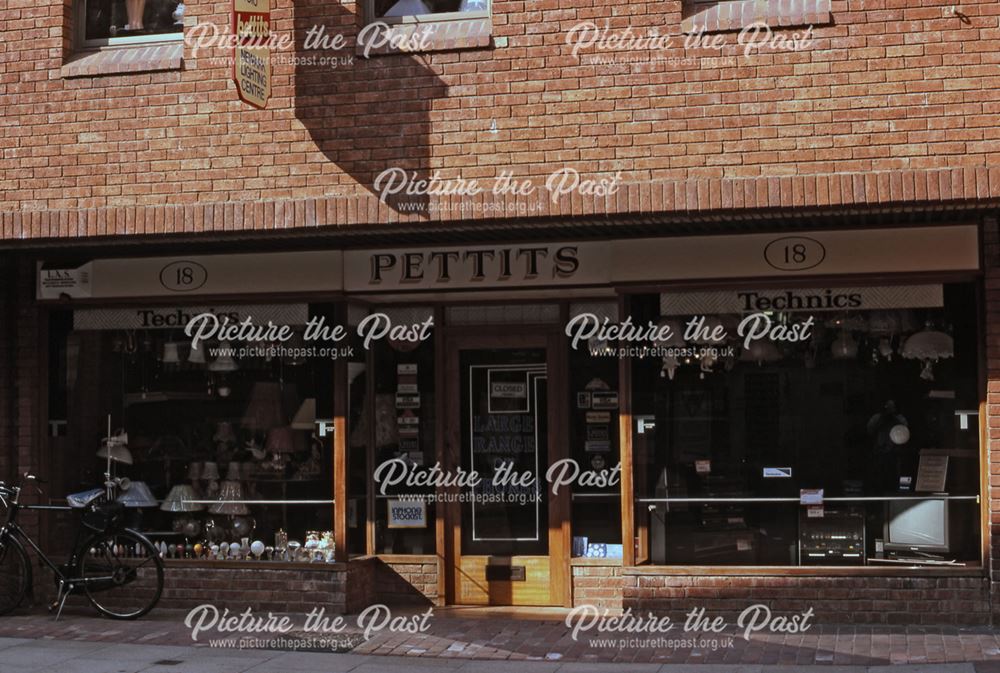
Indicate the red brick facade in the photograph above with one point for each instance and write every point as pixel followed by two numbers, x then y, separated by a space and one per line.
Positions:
pixel 881 99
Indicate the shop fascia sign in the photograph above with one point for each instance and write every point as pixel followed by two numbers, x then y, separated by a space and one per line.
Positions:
pixel 803 299
pixel 174 318
pixel 654 260
pixel 525 266
pixel 196 275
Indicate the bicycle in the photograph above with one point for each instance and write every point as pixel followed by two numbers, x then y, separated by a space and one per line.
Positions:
pixel 116 568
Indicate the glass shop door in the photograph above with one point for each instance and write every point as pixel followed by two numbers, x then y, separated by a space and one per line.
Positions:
pixel 506 531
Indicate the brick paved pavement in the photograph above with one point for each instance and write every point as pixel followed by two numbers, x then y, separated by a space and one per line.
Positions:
pixel 456 637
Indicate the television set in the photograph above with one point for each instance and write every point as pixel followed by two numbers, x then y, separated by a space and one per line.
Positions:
pixel 917 526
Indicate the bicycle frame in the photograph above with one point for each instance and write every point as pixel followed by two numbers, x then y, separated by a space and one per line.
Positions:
pixel 67 581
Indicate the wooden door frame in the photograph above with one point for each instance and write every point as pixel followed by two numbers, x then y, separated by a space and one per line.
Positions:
pixel 548 338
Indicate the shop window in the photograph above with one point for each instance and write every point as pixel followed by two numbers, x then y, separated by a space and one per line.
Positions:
pixel 844 432
pixel 227 446
pixel 126 22
pixel 593 429
pixel 405 408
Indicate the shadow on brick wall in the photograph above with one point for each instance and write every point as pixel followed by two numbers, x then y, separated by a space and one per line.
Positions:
pixel 366 115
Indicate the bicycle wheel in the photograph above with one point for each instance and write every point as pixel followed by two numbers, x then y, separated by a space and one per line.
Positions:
pixel 121 573
pixel 15 573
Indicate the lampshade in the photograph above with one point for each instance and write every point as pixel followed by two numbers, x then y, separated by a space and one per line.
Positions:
pixel 194 471
pixel 224 432
pixel 197 356
pixel 844 347
pixel 280 440
pixel 137 495
pixel 305 417
pixel 408 8
pixel 230 500
pixel 225 361
pixel 929 344
pixel 179 500
pixel 264 411
pixel 119 453
pixel 233 472
pixel 171 355
pixel 210 471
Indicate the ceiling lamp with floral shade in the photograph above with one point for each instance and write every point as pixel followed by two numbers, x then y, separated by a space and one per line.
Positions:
pixel 928 346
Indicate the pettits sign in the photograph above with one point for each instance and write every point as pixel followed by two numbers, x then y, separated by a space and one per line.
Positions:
pixel 252 57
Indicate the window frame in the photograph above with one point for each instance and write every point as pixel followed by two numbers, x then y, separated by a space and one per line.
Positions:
pixel 81 42
pixel 411 19
pixel 641 565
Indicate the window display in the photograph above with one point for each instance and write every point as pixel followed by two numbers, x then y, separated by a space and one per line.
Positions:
pixel 405 417
pixel 808 426
pixel 220 442
pixel 111 21
pixel 593 426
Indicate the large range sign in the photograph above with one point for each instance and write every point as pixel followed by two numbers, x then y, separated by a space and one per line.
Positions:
pixel 252 57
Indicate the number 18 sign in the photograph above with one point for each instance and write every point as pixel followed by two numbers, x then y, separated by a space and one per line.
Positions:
pixel 252 58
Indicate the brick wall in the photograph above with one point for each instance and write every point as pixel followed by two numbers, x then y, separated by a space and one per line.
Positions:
pixel 280 590
pixel 882 97
pixel 835 600
pixel 598 585
pixel 361 584
pixel 406 583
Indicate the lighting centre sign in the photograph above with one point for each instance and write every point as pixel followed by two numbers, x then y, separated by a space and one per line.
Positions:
pixel 252 59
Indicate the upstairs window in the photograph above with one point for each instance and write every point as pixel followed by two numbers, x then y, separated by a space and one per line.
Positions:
pixel 402 11
pixel 712 16
pixel 406 26
pixel 123 22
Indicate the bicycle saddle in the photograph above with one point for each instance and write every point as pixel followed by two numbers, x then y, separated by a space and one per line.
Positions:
pixel 84 498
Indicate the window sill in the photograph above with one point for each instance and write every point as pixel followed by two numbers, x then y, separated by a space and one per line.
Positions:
pixel 600 562
pixel 728 15
pixel 126 60
pixel 808 571
pixel 422 37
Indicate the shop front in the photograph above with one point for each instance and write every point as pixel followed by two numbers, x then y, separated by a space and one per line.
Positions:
pixel 654 423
